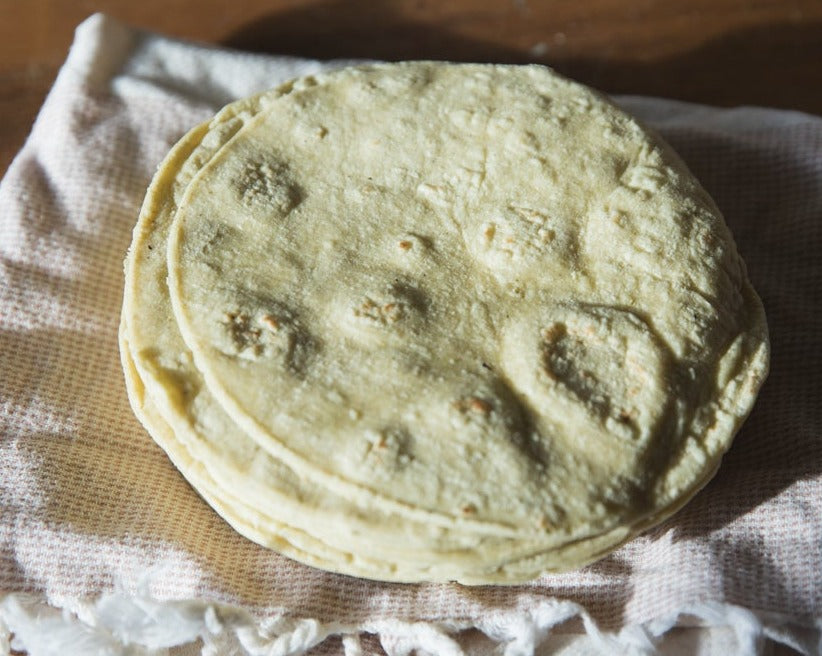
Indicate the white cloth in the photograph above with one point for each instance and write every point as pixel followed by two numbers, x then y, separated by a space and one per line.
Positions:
pixel 97 522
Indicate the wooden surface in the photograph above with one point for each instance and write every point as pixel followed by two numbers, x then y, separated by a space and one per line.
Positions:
pixel 723 52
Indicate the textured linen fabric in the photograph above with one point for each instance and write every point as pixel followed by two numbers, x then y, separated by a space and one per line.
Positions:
pixel 96 520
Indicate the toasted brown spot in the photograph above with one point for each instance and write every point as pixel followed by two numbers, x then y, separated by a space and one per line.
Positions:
pixel 553 332
pixel 270 322
pixel 386 313
pixel 405 245
pixel 478 405
pixel 243 334
pixel 626 416
pixel 473 404
pixel 546 235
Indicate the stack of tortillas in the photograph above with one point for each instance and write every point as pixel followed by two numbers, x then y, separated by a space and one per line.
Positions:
pixel 426 322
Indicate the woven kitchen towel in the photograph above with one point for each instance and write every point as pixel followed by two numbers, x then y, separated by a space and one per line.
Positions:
pixel 104 548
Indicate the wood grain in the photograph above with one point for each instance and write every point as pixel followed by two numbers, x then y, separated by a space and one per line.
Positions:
pixel 724 52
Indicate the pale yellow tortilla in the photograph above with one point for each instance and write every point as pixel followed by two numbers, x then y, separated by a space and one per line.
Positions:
pixel 475 307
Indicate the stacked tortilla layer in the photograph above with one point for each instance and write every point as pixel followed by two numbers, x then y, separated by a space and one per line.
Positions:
pixel 427 322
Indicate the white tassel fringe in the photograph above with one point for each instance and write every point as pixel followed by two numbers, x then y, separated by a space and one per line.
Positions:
pixel 121 625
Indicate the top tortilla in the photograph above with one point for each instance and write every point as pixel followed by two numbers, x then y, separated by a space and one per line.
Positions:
pixel 468 292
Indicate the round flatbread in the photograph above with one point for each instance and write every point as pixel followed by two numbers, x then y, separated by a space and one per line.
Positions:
pixel 474 316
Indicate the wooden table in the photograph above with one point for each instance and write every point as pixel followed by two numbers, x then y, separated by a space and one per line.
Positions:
pixel 723 52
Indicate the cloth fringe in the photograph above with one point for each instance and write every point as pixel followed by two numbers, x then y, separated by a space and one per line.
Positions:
pixel 117 624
